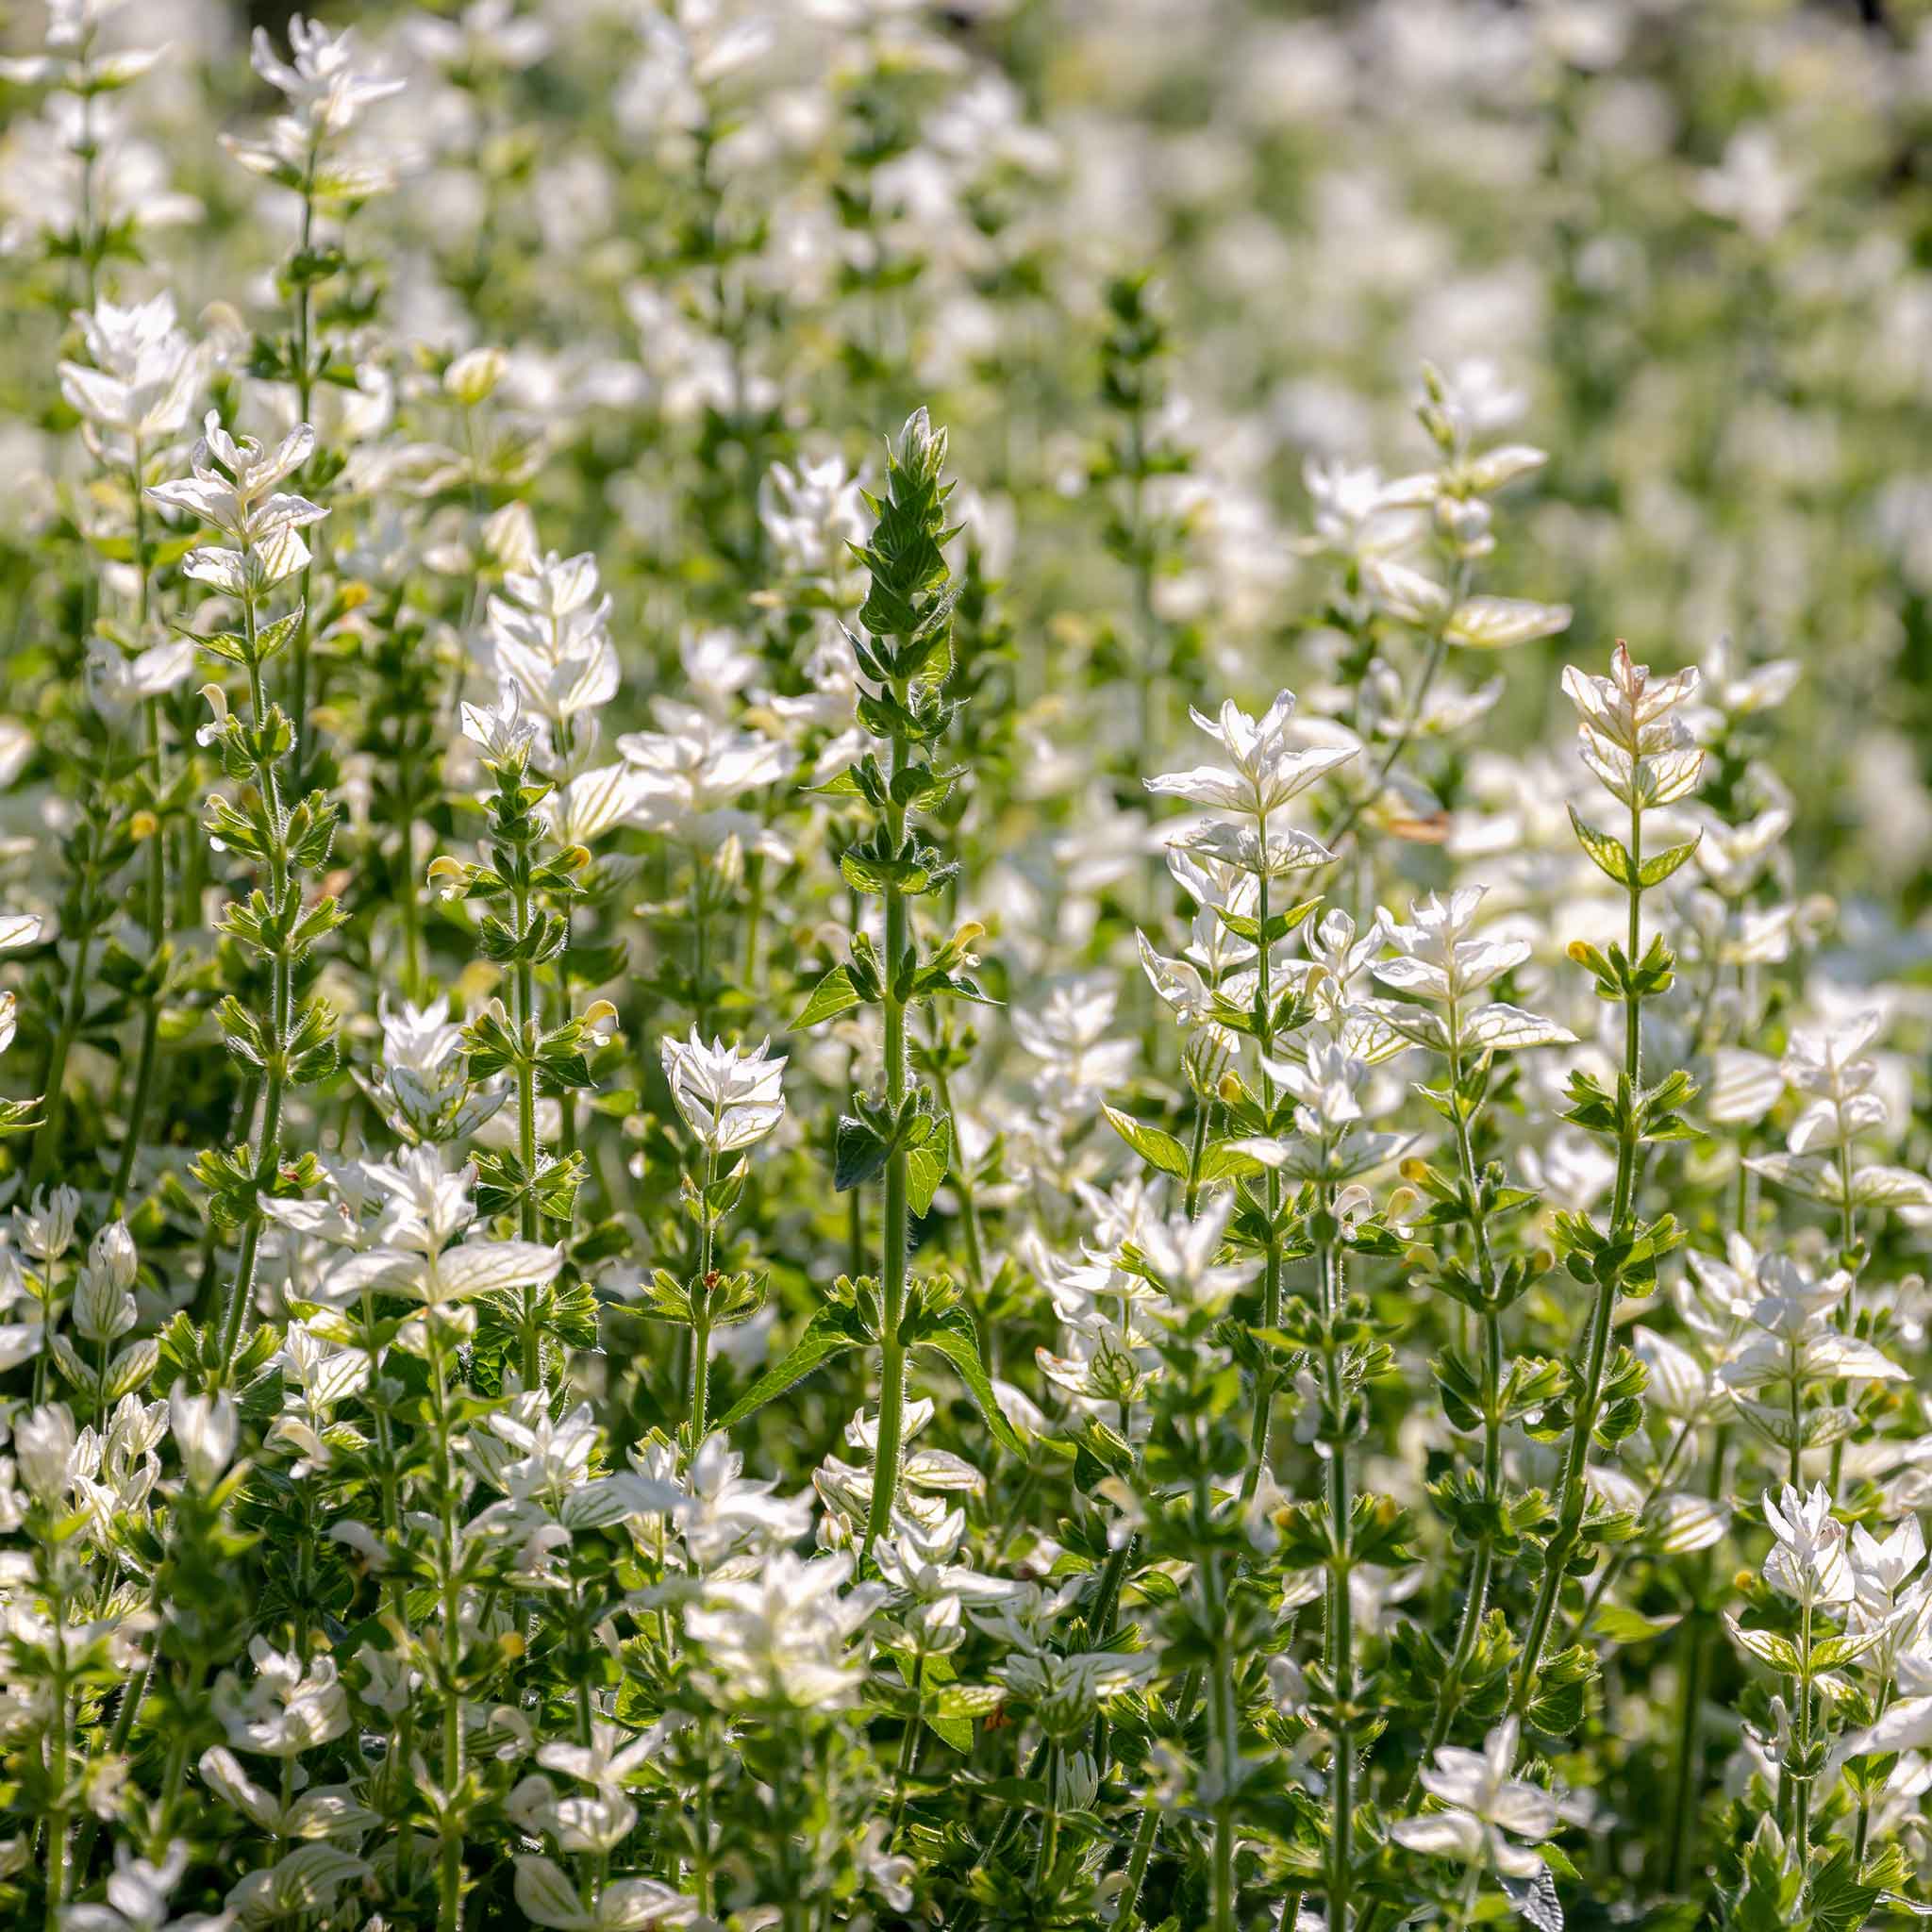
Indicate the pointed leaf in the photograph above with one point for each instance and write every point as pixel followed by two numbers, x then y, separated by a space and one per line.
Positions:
pixel 954 1337
pixel 829 1332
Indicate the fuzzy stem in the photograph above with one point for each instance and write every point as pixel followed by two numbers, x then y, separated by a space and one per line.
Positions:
pixel 449 1914
pixel 527 1153
pixel 1138 1862
pixel 896 1235
pixel 1573 1490
pixel 1224 1730
pixel 156 865
pixel 1271 1282
pixel 303 397
pixel 1697 1642
pixel 1412 718
pixel 1339 1637
pixel 269 1144
pixel 701 1329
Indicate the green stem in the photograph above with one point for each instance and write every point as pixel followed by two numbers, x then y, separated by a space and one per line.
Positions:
pixel 1613 1564
pixel 1197 1150
pixel 269 1143
pixel 47 1143
pixel 527 1152
pixel 56 1817
pixel 1697 1642
pixel 1482 1558
pixel 1224 1728
pixel 1573 1490
pixel 962 1188
pixel 896 1235
pixel 1411 723
pixel 450 1909
pixel 700 949
pixel 1271 1282
pixel 909 1745
pixel 754 916
pixel 1047 1849
pixel 1801 1785
pixel 144 1094
pixel 1339 1633
pixel 1138 1862
pixel 701 1330
pixel 304 398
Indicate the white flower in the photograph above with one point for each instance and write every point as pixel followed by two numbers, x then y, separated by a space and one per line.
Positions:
pixel 723 1514
pixel 233 488
pixel 783 1634
pixel 1809 1562
pixel 137 1894
pixel 502 730
pixel 546 1895
pixel 1353 514
pixel 690 773
pixel 118 682
pixel 472 376
pixel 144 371
pixel 322 84
pixel 590 804
pixel 424 1072
pixel 428 1207
pixel 548 635
pixel 1828 1064
pixel 810 514
pixel 1796 1340
pixel 103 1301
pixel 1882 1569
pixel 1271 765
pixel 205 1429
pixel 1634 736
pixel 607 1761
pixel 418 1038
pixel 1438 961
pixel 1179 1254
pixel 729 1099
pixel 288 1708
pixel 1485 1811
pixel 46 1230
pixel 45 1450
pixel 1067 1034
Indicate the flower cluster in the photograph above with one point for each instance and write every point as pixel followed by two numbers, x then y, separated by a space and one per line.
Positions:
pixel 866 1062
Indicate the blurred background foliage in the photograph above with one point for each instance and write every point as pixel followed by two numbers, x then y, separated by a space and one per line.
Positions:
pixel 1696 238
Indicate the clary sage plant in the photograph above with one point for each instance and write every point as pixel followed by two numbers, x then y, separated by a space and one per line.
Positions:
pixel 883 1050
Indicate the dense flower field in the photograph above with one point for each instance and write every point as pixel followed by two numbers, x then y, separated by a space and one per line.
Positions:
pixel 869 1061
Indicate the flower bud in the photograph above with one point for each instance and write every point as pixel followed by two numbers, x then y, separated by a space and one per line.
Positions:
pixel 103 1304
pixel 46 1230
pixel 474 375
pixel 43 1451
pixel 204 1427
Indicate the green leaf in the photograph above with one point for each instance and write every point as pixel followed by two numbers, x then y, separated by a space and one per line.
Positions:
pixel 968 1701
pixel 1654 872
pixel 1223 1163
pixel 954 1337
pixel 830 1332
pixel 860 1154
pixel 1622 1626
pixel 925 1167
pixel 1152 1144
pixel 955 1732
pixel 271 638
pixel 834 994
pixel 1609 855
